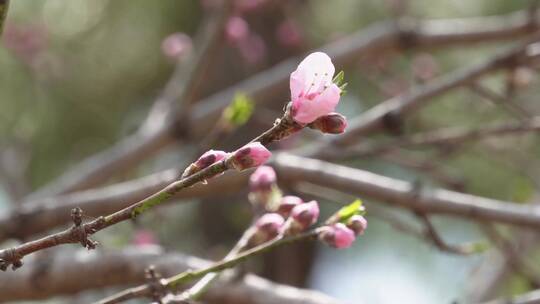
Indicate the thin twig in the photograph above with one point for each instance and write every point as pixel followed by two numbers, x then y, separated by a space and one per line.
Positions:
pixel 68 274
pixel 80 233
pixel 431 234
pixel 513 108
pixel 514 258
pixel 176 281
pixel 448 137
pixel 197 290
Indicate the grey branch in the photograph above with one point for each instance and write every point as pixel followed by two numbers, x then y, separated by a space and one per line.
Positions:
pixel 404 194
pixel 448 137
pixel 292 169
pixel 70 273
pixel 42 215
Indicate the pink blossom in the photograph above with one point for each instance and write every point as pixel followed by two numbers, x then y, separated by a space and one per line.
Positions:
pixel 249 156
pixel 176 45
pixel 306 214
pixel 358 224
pixel 262 179
pixel 333 123
pixel 207 159
pixel 288 203
pixel 236 29
pixel 343 237
pixel 270 224
pixel 313 93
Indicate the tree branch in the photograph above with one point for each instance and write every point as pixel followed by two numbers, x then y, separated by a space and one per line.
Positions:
pixel 188 276
pixel 431 234
pixel 72 272
pixel 80 233
pixel 448 137
pixel 41 215
pixel 404 194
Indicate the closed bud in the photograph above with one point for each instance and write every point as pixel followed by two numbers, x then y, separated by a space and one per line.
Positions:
pixel 305 215
pixel 333 123
pixel 262 179
pixel 358 224
pixel 207 159
pixel 267 227
pixel 249 156
pixel 287 204
pixel 337 235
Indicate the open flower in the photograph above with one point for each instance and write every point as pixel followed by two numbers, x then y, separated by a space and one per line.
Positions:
pixel 249 156
pixel 313 94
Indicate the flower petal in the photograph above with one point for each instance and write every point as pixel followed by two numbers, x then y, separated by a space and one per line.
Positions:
pixel 297 83
pixel 306 111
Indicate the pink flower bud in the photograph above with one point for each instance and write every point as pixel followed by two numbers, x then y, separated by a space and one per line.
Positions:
pixel 236 29
pixel 287 204
pixel 358 224
pixel 337 235
pixel 249 156
pixel 269 225
pixel 207 159
pixel 210 157
pixel 262 179
pixel 176 45
pixel 313 94
pixel 333 123
pixel 306 214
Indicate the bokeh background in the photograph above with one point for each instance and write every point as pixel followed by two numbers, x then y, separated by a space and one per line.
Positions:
pixel 78 75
